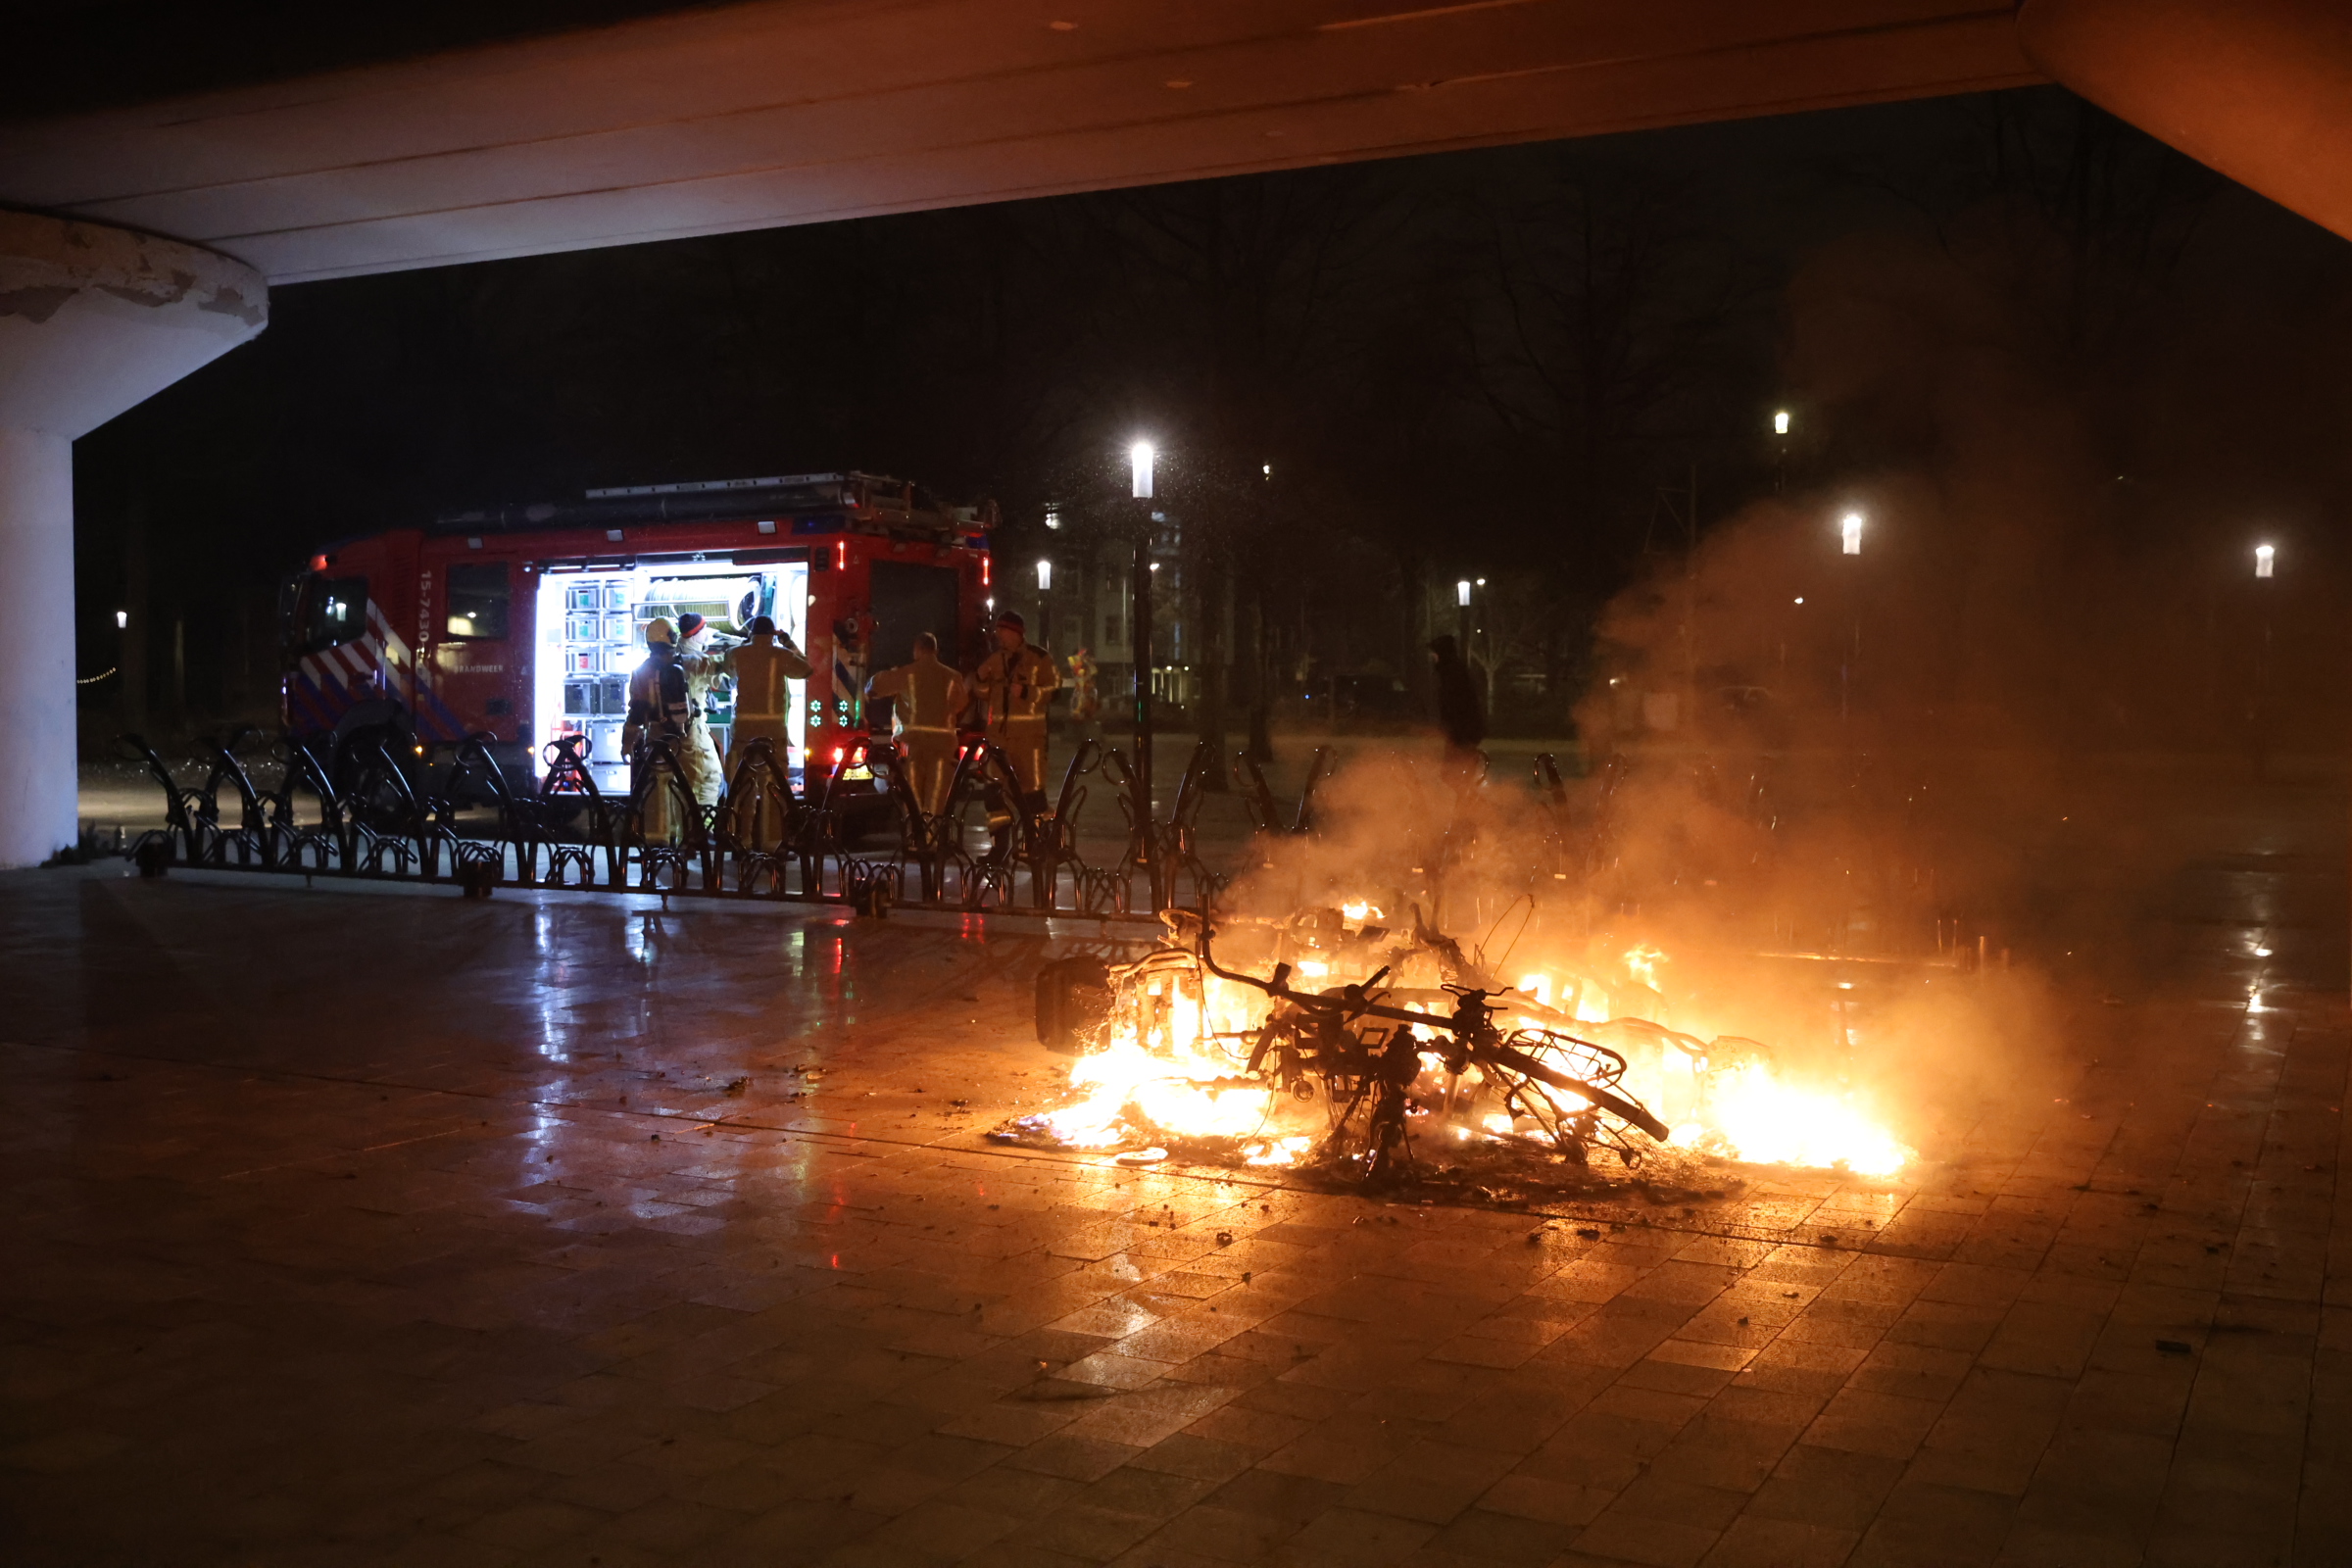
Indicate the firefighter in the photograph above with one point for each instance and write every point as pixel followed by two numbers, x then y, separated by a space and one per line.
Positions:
pixel 1017 681
pixel 763 670
pixel 928 694
pixel 1084 701
pixel 703 655
pixel 659 707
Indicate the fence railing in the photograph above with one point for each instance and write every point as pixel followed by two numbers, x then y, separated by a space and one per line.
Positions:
pixel 360 805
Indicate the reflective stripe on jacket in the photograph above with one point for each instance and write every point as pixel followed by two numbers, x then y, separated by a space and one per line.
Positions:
pixel 928 694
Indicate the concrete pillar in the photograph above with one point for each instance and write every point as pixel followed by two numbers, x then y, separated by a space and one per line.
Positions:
pixel 92 321
pixel 36 645
pixel 2258 89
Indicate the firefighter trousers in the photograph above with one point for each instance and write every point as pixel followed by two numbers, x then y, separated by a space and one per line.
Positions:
pixel 697 759
pixel 664 817
pixel 930 766
pixel 759 806
pixel 1024 743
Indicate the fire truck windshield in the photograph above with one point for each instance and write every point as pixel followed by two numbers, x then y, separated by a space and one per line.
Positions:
pixel 328 612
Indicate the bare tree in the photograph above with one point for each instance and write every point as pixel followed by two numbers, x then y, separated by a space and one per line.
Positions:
pixel 1603 332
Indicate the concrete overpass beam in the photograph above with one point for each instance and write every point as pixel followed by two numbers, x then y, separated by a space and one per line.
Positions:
pixel 2258 89
pixel 92 321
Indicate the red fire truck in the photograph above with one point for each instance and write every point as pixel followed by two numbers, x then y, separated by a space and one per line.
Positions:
pixel 526 622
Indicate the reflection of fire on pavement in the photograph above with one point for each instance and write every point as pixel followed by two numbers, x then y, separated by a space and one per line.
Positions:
pixel 1335 1042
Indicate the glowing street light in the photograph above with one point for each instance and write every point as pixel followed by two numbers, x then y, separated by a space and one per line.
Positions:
pixel 1045 576
pixel 1139 455
pixel 122 619
pixel 1851 529
pixel 1461 592
pixel 1780 423
pixel 2265 560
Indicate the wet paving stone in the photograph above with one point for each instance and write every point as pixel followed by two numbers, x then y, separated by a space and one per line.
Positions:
pixel 372 1229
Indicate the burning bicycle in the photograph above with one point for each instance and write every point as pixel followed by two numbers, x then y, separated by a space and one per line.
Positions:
pixel 1286 1067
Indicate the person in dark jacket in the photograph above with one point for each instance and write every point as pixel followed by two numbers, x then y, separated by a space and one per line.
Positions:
pixel 1461 716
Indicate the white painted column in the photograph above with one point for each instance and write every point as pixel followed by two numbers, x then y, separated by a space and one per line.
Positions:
pixel 36 646
pixel 92 321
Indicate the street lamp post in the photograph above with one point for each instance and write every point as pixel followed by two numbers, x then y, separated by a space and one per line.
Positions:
pixel 1044 602
pixel 1849 533
pixel 123 665
pixel 1140 457
pixel 2266 567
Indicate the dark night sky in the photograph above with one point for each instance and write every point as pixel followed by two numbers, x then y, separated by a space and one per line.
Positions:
pixel 1487 360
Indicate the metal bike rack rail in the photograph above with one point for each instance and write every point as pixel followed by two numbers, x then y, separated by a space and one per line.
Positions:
pixel 359 808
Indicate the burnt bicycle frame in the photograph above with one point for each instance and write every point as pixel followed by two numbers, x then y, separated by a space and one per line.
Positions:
pixel 1329 1047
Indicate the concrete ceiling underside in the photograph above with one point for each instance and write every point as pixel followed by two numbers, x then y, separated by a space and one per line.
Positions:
pixel 754 116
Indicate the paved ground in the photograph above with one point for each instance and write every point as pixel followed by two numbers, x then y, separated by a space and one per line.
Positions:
pixel 394 1230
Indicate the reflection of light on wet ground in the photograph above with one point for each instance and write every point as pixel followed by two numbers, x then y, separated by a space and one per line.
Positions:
pixel 541 1130
pixel 551 979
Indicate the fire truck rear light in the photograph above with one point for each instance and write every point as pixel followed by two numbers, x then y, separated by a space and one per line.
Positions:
pixel 838 753
pixel 318 562
pixel 984 571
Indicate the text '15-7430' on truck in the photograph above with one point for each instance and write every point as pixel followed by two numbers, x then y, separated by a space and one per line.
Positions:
pixel 523 623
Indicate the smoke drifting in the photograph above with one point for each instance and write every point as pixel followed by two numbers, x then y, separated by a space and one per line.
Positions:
pixel 1834 797
pixel 1891 819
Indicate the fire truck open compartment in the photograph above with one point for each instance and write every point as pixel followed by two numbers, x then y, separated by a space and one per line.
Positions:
pixel 591 635
pixel 516 625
